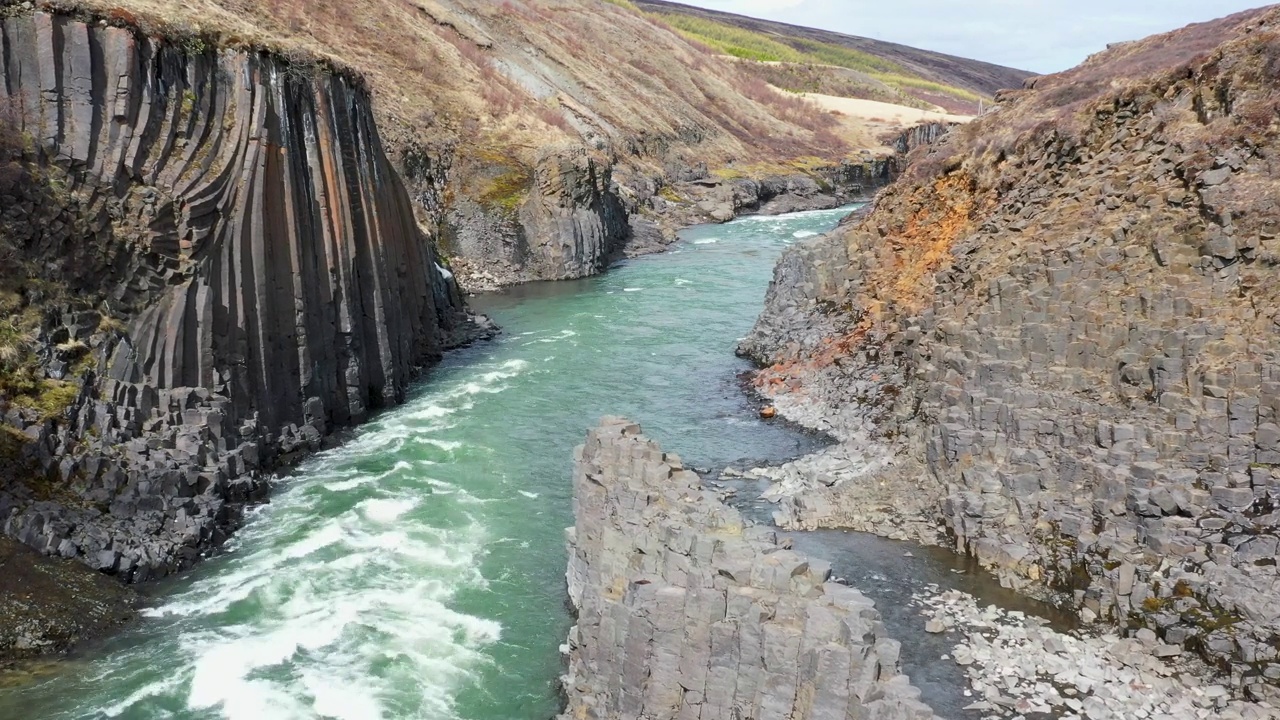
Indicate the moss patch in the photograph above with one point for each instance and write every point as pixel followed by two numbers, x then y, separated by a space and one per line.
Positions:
pixel 669 194
pixel 508 190
pixel 12 442
pixel 50 397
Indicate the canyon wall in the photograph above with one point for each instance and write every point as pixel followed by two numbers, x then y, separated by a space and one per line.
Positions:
pixel 684 611
pixel 1056 335
pixel 565 221
pixel 224 262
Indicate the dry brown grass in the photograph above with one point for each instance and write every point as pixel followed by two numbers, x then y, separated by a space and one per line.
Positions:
pixel 512 72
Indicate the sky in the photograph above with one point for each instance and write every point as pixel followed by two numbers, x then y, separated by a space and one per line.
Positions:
pixel 1042 36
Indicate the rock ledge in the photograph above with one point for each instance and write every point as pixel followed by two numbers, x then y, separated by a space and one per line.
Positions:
pixel 684 611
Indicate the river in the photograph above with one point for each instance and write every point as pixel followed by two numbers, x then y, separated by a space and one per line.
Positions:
pixel 417 570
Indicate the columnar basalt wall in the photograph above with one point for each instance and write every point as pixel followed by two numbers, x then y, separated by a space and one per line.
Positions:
pixel 236 218
pixel 1063 324
pixel 686 612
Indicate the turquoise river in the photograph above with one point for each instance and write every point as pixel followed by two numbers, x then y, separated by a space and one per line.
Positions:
pixel 417 570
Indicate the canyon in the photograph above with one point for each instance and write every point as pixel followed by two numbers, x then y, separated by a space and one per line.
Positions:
pixel 235 232
pixel 1050 346
pixel 229 243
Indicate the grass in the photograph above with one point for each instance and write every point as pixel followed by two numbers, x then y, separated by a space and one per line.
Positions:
pixel 824 80
pixel 751 45
pixel 669 194
pixel 625 4
pixel 20 377
pixel 807 165
pixel 50 398
pixel 730 40
pixel 508 190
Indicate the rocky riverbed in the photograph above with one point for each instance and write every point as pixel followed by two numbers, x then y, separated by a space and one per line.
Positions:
pixel 1018 666
pixel 686 609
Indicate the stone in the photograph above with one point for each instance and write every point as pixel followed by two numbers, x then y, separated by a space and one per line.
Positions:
pixel 748 628
pixel 1076 394
pixel 177 395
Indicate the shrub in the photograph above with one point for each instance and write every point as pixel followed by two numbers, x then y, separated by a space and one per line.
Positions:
pixel 553 117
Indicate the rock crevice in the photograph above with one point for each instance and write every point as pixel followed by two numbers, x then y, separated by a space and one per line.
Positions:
pixel 685 611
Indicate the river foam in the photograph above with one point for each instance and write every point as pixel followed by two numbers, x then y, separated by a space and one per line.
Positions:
pixel 417 571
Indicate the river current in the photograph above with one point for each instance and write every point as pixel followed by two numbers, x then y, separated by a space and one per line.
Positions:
pixel 417 571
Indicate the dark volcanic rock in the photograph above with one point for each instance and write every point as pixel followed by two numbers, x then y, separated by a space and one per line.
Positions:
pixel 236 215
pixel 684 611
pixel 49 605
pixel 1060 330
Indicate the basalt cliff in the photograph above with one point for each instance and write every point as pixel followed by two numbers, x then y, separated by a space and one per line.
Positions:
pixel 1053 345
pixel 231 229
pixel 215 267
pixel 544 139
pixel 686 611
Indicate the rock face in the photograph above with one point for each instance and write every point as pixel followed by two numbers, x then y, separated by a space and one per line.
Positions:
pixel 571 224
pixel 258 256
pixel 1061 327
pixel 577 217
pixel 51 605
pixel 686 612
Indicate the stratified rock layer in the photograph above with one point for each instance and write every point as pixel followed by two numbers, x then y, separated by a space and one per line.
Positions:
pixel 1061 325
pixel 237 218
pixel 686 612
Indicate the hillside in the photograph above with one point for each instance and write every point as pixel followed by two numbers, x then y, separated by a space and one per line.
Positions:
pixel 822 61
pixel 1056 335
pixel 531 132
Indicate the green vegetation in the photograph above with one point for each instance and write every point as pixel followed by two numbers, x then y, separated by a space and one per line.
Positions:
pixel 826 80
pixel 1154 604
pixel 50 398
pixel 11 443
pixel 759 47
pixel 917 83
pixel 669 194
pixel 508 190
pixel 807 165
pixel 844 57
pixel 624 4
pixel 733 41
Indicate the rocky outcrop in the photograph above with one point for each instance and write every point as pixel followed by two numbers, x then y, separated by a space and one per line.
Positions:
pixel 246 276
pixel 684 611
pixel 920 136
pixel 53 605
pixel 1060 332
pixel 569 222
pixel 575 217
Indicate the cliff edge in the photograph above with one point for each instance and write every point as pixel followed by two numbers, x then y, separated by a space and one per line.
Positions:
pixel 213 265
pixel 685 611
pixel 1053 343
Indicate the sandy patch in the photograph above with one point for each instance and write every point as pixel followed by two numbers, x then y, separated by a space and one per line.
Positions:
pixel 874 110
